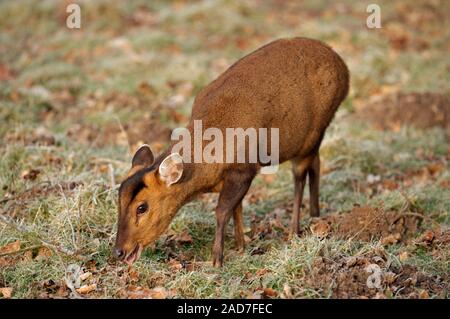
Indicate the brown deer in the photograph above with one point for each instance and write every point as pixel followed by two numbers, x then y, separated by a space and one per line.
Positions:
pixel 295 85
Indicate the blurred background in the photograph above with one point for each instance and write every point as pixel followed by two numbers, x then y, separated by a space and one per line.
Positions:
pixel 75 104
pixel 140 63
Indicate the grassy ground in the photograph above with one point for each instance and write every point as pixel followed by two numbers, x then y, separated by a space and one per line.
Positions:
pixel 75 103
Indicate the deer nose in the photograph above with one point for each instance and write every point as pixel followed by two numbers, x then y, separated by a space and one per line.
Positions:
pixel 119 253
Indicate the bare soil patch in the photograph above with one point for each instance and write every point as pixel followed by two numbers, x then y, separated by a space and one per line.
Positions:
pixel 366 224
pixel 347 277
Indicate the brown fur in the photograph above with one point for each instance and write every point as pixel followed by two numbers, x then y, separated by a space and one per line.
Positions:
pixel 295 85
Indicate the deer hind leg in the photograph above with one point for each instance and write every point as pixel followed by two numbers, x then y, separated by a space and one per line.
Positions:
pixel 299 170
pixel 310 166
pixel 239 228
pixel 313 178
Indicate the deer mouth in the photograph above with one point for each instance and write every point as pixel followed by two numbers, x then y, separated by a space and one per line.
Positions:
pixel 133 255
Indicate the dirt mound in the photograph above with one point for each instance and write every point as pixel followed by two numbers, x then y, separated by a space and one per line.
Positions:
pixel 420 110
pixel 373 277
pixel 366 224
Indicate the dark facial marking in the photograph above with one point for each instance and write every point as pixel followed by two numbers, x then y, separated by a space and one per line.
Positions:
pixel 135 183
pixel 130 188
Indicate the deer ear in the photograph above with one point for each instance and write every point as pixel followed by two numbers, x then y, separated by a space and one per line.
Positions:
pixel 143 156
pixel 171 169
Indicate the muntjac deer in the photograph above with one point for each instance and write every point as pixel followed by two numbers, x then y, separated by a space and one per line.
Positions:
pixel 295 85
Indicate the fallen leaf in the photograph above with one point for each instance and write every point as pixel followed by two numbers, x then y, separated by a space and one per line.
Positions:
pixel 403 256
pixel 445 184
pixel 389 277
pixel 146 89
pixel 424 295
pixel 321 229
pixel 146 293
pixel 269 292
pixel 159 293
pixel 435 168
pixel 10 248
pixel 62 291
pixel 261 272
pixel 427 237
pixel 175 265
pixel 389 184
pixel 30 174
pixel 85 289
pixel 390 239
pixel 43 253
pixel 178 117
pixel 6 292
pixel 85 275
pixel 5 73
pixel 134 275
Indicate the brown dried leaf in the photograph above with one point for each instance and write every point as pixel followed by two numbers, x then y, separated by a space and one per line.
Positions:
pixel 6 292
pixel 146 293
pixel 85 275
pixel 43 253
pixel 10 248
pixel 175 265
pixel 389 277
pixel 427 237
pixel 424 295
pixel 159 293
pixel 403 256
pixel 391 239
pixel 85 289
pixel 5 72
pixel 269 292
pixel 30 174
pixel 321 229
pixel 389 184
pixel 261 272
pixel 134 276
pixel 146 89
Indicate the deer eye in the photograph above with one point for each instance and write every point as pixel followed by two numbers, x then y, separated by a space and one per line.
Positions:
pixel 141 209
